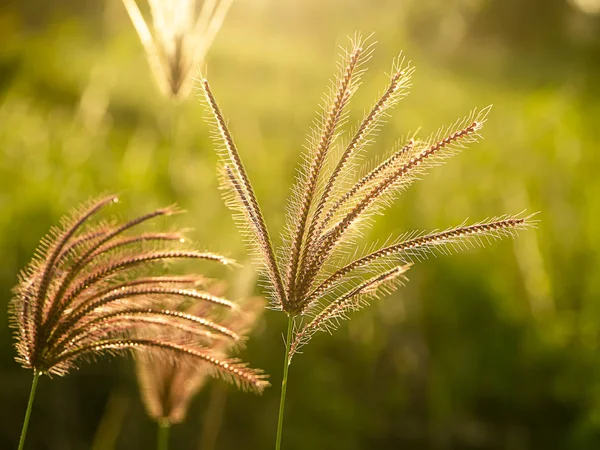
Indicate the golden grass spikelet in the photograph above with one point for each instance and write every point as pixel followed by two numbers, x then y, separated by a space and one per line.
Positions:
pixel 177 38
pixel 331 203
pixel 168 385
pixel 90 291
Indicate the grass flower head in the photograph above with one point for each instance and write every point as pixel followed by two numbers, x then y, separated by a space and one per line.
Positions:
pixel 92 289
pixel 168 385
pixel 177 37
pixel 310 277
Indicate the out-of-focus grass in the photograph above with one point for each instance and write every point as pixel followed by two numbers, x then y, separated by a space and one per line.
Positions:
pixel 490 349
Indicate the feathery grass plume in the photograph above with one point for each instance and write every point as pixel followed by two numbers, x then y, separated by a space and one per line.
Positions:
pixel 177 37
pixel 90 290
pixel 168 385
pixel 333 200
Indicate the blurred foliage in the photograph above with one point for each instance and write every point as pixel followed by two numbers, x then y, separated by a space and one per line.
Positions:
pixel 493 349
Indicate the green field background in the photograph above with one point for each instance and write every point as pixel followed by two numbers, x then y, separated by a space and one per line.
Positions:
pixel 495 348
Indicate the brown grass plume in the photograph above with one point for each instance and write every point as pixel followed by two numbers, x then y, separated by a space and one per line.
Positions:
pixel 92 289
pixel 168 385
pixel 177 37
pixel 311 277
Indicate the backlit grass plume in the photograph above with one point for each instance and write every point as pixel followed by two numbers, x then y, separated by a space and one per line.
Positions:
pixel 177 37
pixel 90 290
pixel 168 385
pixel 311 277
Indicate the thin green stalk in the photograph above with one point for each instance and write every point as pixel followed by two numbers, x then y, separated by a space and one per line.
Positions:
pixel 34 383
pixel 286 366
pixel 176 113
pixel 162 438
pixel 211 425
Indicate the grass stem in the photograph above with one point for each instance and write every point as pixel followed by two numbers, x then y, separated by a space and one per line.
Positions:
pixel 162 438
pixel 36 377
pixel 286 366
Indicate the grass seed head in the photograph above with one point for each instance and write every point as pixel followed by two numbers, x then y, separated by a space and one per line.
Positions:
pixel 311 278
pixel 92 289
pixel 168 385
pixel 177 37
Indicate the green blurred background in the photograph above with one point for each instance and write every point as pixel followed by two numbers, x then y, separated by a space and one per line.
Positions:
pixel 496 348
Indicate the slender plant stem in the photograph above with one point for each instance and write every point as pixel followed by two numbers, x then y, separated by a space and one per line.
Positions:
pixel 34 383
pixel 162 438
pixel 286 367
pixel 213 419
